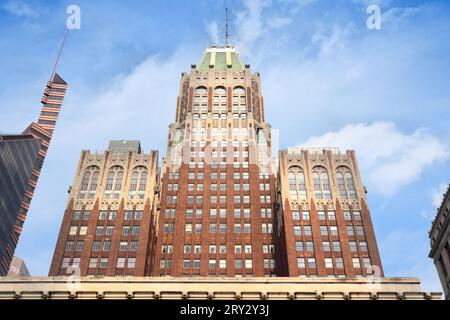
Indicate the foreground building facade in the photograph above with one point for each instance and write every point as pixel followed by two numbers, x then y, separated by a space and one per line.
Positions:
pixel 440 243
pixel 21 159
pixel 107 228
pixel 161 288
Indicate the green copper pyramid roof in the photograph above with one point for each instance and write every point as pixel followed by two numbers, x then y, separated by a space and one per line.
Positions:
pixel 221 59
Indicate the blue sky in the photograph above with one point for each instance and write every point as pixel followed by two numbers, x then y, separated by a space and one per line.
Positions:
pixel 327 81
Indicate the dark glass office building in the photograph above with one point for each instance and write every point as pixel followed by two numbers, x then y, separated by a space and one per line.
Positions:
pixel 17 156
pixel 21 160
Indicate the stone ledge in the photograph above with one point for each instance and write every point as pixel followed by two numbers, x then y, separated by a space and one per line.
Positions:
pixel 214 288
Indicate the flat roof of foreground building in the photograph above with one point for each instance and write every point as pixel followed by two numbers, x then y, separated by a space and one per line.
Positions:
pixel 214 288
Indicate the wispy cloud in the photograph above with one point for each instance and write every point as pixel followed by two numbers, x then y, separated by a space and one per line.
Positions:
pixel 21 9
pixel 213 31
pixel 389 158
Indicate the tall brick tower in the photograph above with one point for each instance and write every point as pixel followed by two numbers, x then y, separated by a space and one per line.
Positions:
pixel 218 183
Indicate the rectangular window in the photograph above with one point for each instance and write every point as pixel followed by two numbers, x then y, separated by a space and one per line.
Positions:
pixel 336 246
pixel 131 263
pixel 333 230
pixel 356 263
pixel 96 246
pixel 69 245
pixel 86 215
pixel 299 246
pixel 109 230
pixel 83 230
pixel 307 230
pixel 305 215
pixel 93 262
pixel 301 263
pixel 104 263
pixel 73 230
pixel 311 263
pixel 120 263
pixel 99 230
pixel 297 231
pixel 123 246
pixel 339 263
pixel 76 215
pixel 106 245
pixel 79 246
pixel 329 263
pixel 126 230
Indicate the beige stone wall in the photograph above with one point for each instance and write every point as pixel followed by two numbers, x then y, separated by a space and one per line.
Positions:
pixel 214 288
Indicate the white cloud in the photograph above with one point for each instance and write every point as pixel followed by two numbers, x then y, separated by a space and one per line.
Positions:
pixel 398 15
pixel 277 22
pixel 389 158
pixel 330 41
pixel 21 9
pixel 213 31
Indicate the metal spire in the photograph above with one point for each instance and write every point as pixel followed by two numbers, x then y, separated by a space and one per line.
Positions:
pixel 226 27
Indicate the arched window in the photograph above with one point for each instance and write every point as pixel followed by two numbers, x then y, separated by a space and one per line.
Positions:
pixel 239 100
pixel 85 181
pixel 201 100
pixel 89 182
pixel 321 182
pixel 341 185
pixel 297 185
pixel 345 182
pixel 220 100
pixel 138 182
pixel 114 182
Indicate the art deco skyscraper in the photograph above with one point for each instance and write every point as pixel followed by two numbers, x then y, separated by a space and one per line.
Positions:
pixel 324 220
pixel 107 228
pixel 21 160
pixel 218 183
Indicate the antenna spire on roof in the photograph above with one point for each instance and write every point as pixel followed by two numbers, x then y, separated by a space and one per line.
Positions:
pixel 226 27
pixel 59 54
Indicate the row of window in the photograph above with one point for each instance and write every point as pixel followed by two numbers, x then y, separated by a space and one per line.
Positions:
pixel 100 262
pixel 330 215
pixel 328 230
pixel 114 180
pixel 105 215
pixel 96 245
pixel 218 199
pixel 213 213
pixel 215 175
pixel 344 179
pixel 339 263
pixel 266 228
pixel 100 230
